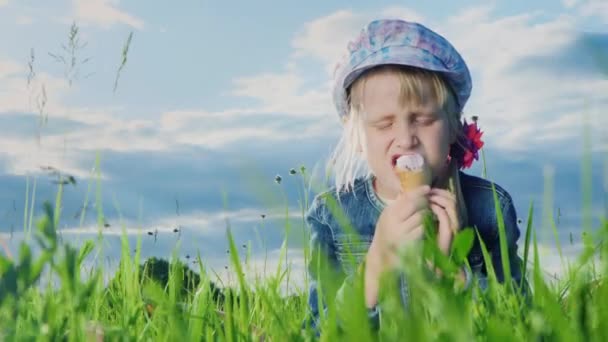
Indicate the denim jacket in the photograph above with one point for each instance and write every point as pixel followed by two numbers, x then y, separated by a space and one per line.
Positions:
pixel 362 207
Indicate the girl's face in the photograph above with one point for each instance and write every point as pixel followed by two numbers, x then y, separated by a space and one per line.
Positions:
pixel 392 129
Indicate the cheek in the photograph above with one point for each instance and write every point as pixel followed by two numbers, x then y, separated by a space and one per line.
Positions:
pixel 437 143
pixel 379 143
pixel 375 145
pixel 444 141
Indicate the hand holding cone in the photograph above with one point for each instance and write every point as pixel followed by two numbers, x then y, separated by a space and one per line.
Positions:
pixel 413 173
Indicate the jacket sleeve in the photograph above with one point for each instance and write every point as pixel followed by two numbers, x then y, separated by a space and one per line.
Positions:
pixel 327 280
pixel 321 263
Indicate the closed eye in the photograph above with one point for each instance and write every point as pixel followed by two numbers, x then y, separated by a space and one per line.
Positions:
pixel 424 119
pixel 384 125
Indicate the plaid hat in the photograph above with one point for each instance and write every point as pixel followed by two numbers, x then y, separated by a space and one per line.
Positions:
pixel 403 43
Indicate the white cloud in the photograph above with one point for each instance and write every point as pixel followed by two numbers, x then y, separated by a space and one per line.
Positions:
pixel 325 38
pixel 10 68
pixel 511 38
pixel 263 266
pixel 199 223
pixel 176 120
pixel 220 137
pixel 517 110
pixel 24 20
pixel 41 95
pixel 25 156
pixel 274 116
pixel 245 215
pixel 191 130
pixel 277 86
pixel 597 8
pixel 43 101
pixel 111 231
pixel 555 266
pixel 103 129
pixel 518 107
pixel 67 151
pixel 285 94
pixel 17 98
pixel 104 13
pixel 588 8
pixel 3 3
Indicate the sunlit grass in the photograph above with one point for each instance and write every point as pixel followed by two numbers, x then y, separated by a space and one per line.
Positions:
pixel 174 302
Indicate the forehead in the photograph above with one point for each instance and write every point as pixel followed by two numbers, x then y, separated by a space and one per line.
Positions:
pixel 385 92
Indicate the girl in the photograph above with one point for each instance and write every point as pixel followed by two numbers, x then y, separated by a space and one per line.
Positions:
pixel 401 90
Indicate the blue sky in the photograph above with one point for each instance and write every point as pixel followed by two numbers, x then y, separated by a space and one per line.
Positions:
pixel 218 98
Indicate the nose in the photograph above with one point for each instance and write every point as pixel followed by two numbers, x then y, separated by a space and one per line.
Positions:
pixel 406 135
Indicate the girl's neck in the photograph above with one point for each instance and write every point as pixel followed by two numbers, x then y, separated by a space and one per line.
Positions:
pixel 383 192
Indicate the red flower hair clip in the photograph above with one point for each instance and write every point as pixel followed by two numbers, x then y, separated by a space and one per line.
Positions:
pixel 466 149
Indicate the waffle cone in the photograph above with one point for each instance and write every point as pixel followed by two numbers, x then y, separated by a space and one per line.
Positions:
pixel 413 179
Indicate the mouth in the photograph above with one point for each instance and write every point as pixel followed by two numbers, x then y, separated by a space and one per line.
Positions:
pixel 394 158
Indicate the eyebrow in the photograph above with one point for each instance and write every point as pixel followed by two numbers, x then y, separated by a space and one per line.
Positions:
pixel 383 118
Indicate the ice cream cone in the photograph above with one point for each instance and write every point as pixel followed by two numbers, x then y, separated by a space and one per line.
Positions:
pixel 412 172
pixel 413 179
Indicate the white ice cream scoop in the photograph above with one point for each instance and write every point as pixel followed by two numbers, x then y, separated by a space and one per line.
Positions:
pixel 410 162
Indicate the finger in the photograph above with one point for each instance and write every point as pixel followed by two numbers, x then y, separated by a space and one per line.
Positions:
pixel 413 221
pixel 421 190
pixel 443 193
pixel 450 207
pixel 410 202
pixel 444 199
pixel 442 217
pixel 445 234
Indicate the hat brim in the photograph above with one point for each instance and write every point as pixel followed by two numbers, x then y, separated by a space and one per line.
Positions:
pixel 400 55
pixel 456 75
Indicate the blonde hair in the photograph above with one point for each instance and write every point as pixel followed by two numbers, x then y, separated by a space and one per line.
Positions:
pixel 346 162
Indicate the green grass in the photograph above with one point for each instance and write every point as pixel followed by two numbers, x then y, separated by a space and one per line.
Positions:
pixel 174 302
